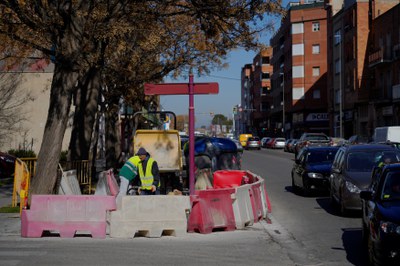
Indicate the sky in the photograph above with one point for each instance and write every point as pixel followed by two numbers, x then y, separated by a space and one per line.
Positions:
pixel 221 103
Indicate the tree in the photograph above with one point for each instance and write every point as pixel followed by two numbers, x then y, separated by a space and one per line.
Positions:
pixel 82 35
pixel 11 101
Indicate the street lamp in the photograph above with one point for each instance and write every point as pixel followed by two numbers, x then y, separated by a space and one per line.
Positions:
pixel 339 36
pixel 283 102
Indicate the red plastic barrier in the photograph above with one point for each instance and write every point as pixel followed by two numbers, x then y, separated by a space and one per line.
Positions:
pixel 211 210
pixel 228 179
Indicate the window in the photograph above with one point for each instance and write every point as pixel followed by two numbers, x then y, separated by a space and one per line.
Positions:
pixel 298 93
pixel 265 60
pixel 265 90
pixel 315 49
pixel 298 49
pixel 265 75
pixel 297 28
pixel 315 71
pixel 298 71
pixel 337 66
pixel 317 94
pixel 315 26
pixel 337 37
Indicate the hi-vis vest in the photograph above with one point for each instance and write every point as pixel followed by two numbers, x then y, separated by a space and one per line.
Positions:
pixel 147 177
pixel 135 160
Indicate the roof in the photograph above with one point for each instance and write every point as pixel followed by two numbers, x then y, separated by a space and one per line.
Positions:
pixel 363 147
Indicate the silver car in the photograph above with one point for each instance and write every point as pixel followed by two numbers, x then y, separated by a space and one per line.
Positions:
pixel 279 143
pixel 253 143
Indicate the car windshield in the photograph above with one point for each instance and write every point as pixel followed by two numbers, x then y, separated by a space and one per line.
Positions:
pixel 321 156
pixel 391 187
pixel 317 137
pixel 365 161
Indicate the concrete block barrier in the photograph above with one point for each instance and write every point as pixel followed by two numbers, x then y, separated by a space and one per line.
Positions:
pixel 212 210
pixel 69 184
pixel 150 216
pixel 67 214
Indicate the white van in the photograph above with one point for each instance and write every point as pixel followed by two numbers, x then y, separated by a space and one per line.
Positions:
pixel 387 134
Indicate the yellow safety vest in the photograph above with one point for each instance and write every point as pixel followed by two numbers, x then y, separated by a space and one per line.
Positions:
pixel 146 178
pixel 135 160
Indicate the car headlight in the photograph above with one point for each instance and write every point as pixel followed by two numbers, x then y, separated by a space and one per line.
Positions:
pixel 315 175
pixel 352 188
pixel 390 228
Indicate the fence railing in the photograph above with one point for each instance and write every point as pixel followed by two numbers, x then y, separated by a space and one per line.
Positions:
pixel 83 171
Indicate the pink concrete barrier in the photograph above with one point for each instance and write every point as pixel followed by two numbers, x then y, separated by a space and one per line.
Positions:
pixel 67 214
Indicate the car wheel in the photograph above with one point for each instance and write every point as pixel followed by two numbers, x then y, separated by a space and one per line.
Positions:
pixel 332 198
pixel 342 207
pixel 295 188
pixel 306 187
pixel 365 235
pixel 374 254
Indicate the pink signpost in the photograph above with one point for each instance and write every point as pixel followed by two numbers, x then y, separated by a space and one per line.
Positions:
pixel 190 89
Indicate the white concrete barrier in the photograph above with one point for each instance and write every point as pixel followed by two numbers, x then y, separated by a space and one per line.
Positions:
pixel 150 216
pixel 242 207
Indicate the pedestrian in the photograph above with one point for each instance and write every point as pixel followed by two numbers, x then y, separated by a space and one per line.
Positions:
pixel 127 174
pixel 148 173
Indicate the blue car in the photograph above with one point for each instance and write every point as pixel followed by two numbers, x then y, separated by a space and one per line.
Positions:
pixel 312 168
pixel 381 216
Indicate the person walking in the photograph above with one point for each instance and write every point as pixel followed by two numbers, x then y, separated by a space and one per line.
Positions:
pixel 148 173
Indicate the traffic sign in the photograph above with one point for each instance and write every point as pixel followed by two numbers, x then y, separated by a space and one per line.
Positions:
pixel 180 88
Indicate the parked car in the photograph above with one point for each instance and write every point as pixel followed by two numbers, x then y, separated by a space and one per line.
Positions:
pixel 352 170
pixel 287 145
pixel 312 139
pixel 270 143
pixel 7 165
pixel 279 143
pixel 292 146
pixel 253 143
pixel 311 169
pixel 264 141
pixel 381 217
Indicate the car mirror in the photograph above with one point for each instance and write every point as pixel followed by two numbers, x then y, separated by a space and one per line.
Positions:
pixel 366 195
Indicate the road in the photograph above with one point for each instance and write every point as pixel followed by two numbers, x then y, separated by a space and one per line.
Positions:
pixel 309 227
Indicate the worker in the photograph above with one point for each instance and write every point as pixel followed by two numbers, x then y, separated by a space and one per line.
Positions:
pixel 148 173
pixel 127 173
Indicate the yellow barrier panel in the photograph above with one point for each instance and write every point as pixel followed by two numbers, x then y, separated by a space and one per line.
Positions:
pixel 21 184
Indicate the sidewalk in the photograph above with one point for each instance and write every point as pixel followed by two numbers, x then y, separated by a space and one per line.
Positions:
pixel 10 223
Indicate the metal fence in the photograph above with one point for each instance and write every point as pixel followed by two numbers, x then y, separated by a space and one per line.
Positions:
pixel 83 171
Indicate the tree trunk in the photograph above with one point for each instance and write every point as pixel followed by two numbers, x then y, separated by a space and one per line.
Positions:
pixel 85 116
pixel 60 102
pixel 114 157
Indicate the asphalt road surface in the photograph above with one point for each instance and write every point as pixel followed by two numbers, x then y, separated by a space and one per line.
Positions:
pixel 308 228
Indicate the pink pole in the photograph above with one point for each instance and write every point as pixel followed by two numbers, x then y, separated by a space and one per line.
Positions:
pixel 191 135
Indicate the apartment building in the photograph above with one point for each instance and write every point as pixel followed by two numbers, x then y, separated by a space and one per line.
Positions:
pixel 299 80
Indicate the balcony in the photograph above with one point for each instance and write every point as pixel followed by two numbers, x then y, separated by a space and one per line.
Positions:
pixel 379 57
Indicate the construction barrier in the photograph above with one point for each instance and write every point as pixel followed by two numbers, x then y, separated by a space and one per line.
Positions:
pixel 238 198
pixel 107 184
pixel 211 210
pixel 67 215
pixel 150 216
pixel 69 184
pixel 21 185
